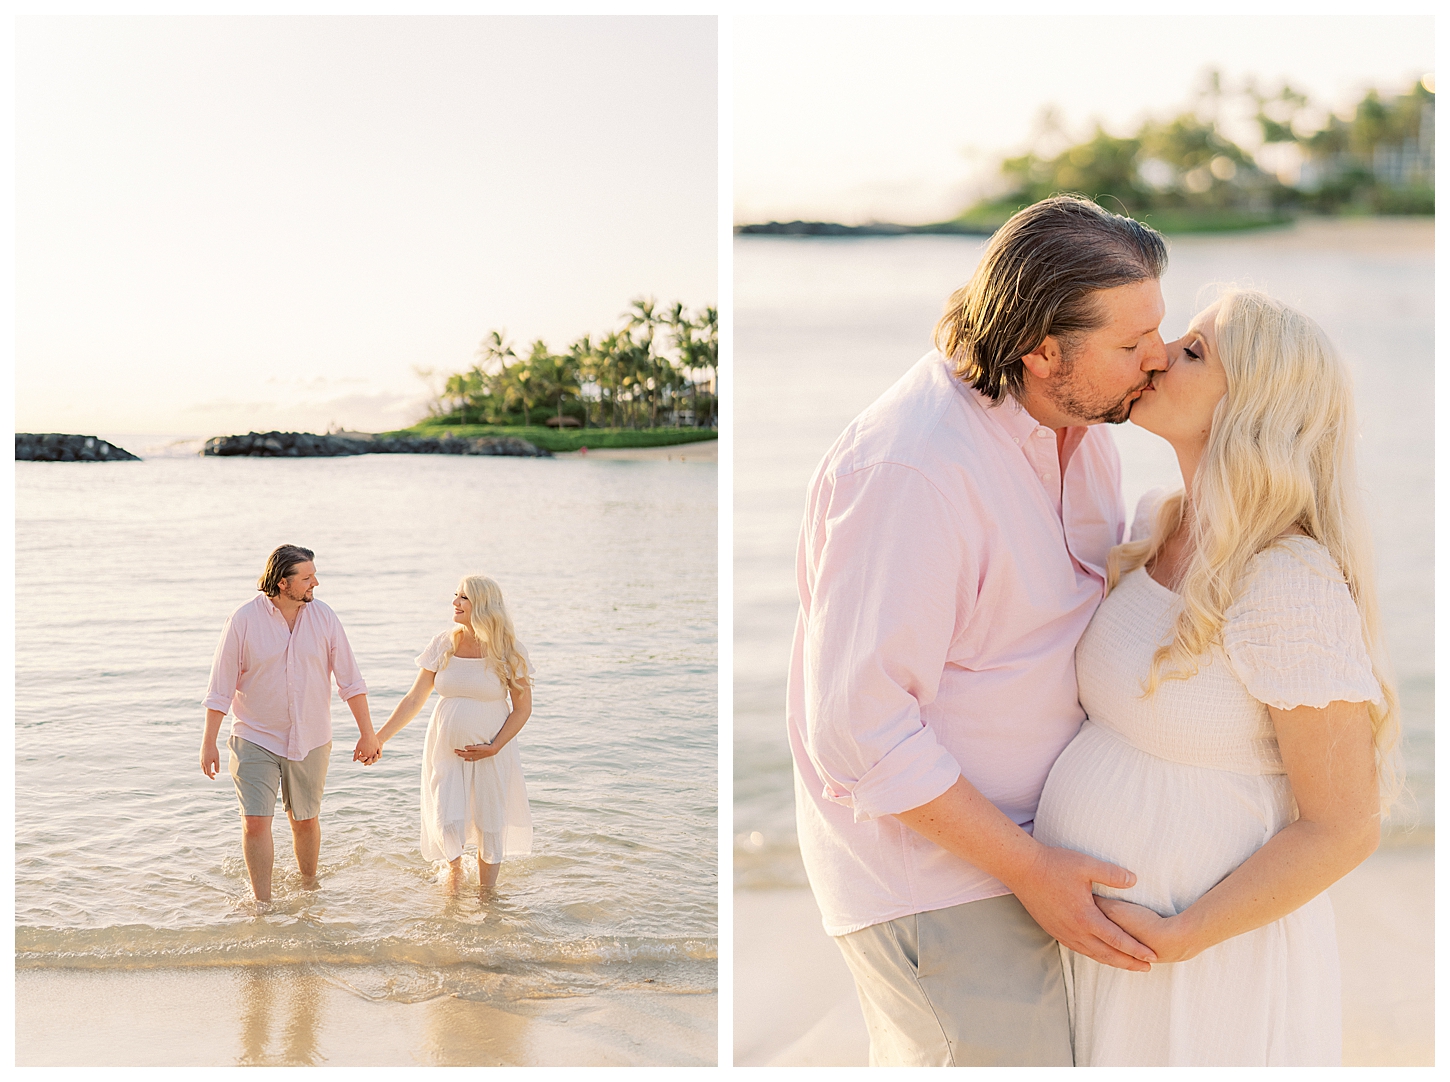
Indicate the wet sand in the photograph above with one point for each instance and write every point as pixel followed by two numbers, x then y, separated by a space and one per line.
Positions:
pixel 795 1004
pixel 296 1016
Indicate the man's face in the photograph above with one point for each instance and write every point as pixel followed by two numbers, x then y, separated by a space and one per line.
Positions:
pixel 1103 372
pixel 299 585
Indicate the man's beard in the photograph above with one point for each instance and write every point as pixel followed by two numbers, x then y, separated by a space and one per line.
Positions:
pixel 1072 400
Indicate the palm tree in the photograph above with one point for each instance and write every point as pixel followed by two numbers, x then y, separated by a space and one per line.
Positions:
pixel 456 388
pixel 581 359
pixel 688 350
pixel 526 376
pixel 611 369
pixel 495 353
pixel 552 377
pixel 708 345
pixel 641 317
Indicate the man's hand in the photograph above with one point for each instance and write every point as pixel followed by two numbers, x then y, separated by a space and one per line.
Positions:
pixel 210 762
pixel 369 750
pixel 471 752
pixel 1057 891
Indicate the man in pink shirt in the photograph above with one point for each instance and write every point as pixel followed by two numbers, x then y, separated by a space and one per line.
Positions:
pixel 272 670
pixel 953 551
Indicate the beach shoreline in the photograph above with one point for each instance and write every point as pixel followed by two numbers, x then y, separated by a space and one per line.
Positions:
pixel 314 1016
pixel 700 451
pixel 795 1003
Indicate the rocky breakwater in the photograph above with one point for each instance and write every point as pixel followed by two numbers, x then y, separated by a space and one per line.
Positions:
pixel 309 445
pixel 58 447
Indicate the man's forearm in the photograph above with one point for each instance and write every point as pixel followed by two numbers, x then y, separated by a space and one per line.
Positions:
pixel 214 719
pixel 1054 885
pixel 964 822
pixel 358 704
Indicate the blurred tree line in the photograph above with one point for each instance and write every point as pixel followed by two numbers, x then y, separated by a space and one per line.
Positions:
pixel 1186 173
pixel 659 367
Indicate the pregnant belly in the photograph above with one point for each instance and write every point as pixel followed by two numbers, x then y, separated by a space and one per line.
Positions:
pixel 461 721
pixel 1179 828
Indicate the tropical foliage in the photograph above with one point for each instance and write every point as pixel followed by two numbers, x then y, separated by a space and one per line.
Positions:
pixel 658 367
pixel 1186 172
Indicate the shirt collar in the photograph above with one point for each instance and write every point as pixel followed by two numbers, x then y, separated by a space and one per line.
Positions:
pixel 270 607
pixel 1020 425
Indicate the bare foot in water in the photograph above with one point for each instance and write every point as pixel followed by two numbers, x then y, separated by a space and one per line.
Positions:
pixel 453 877
pixel 487 875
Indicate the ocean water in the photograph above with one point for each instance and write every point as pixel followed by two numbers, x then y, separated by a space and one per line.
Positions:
pixel 127 856
pixel 824 325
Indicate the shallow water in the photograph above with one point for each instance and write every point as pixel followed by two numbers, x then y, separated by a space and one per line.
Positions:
pixel 126 855
pixel 823 326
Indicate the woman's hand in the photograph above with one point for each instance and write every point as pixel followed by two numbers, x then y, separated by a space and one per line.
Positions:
pixel 472 752
pixel 1168 937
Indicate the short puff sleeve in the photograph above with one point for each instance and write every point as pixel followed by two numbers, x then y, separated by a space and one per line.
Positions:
pixel 433 653
pixel 1293 636
pixel 524 650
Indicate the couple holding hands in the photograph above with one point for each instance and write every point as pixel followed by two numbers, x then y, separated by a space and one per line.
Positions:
pixel 273 671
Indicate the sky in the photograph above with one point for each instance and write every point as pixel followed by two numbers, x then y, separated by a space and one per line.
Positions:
pixel 259 222
pixel 904 118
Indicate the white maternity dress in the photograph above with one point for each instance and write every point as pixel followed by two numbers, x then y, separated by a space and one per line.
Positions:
pixel 1181 788
pixel 482 803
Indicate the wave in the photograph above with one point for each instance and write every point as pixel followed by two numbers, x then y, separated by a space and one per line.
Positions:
pixel 143 947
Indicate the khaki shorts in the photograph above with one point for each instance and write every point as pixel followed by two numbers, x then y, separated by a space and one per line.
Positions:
pixel 257 772
pixel 978 984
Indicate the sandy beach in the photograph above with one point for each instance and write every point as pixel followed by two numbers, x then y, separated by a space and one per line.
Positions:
pixel 296 1016
pixel 700 451
pixel 795 1004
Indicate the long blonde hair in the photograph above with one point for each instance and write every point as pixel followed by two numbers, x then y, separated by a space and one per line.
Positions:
pixel 1280 458
pixel 489 621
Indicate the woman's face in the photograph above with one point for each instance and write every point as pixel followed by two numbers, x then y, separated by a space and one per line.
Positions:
pixel 462 609
pixel 1179 403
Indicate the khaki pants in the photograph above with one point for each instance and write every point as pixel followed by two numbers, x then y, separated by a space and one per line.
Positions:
pixel 978 984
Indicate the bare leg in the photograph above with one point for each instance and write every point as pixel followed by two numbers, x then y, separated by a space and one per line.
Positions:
pixel 306 844
pixel 455 874
pixel 487 874
pixel 257 852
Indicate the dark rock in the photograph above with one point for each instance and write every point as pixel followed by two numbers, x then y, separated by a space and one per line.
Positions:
pixel 311 445
pixel 57 447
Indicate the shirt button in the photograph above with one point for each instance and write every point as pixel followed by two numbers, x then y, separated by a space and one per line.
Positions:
pixel 1044 432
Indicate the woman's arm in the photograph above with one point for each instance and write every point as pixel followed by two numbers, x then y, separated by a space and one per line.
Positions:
pixel 1329 756
pixel 523 700
pixel 408 708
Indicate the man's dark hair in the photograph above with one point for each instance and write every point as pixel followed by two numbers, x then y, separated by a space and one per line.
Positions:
pixel 1038 277
pixel 280 565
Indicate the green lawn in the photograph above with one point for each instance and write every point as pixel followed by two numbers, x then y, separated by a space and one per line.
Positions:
pixel 568 439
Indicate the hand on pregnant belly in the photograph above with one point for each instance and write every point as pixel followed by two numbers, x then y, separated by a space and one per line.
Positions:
pixel 1056 890
pixel 1167 936
pixel 472 752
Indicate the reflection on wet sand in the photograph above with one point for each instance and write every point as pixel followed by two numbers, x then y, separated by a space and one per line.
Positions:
pixel 309 1015
pixel 279 1016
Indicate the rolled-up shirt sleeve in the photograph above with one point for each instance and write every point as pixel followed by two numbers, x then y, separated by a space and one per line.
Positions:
pixel 226 669
pixel 884 566
pixel 344 666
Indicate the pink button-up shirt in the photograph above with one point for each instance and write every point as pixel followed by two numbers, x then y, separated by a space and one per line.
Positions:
pixel 947 566
pixel 275 681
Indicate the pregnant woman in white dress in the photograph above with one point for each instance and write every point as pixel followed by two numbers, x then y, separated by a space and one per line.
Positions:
pixel 1241 734
pixel 473 784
